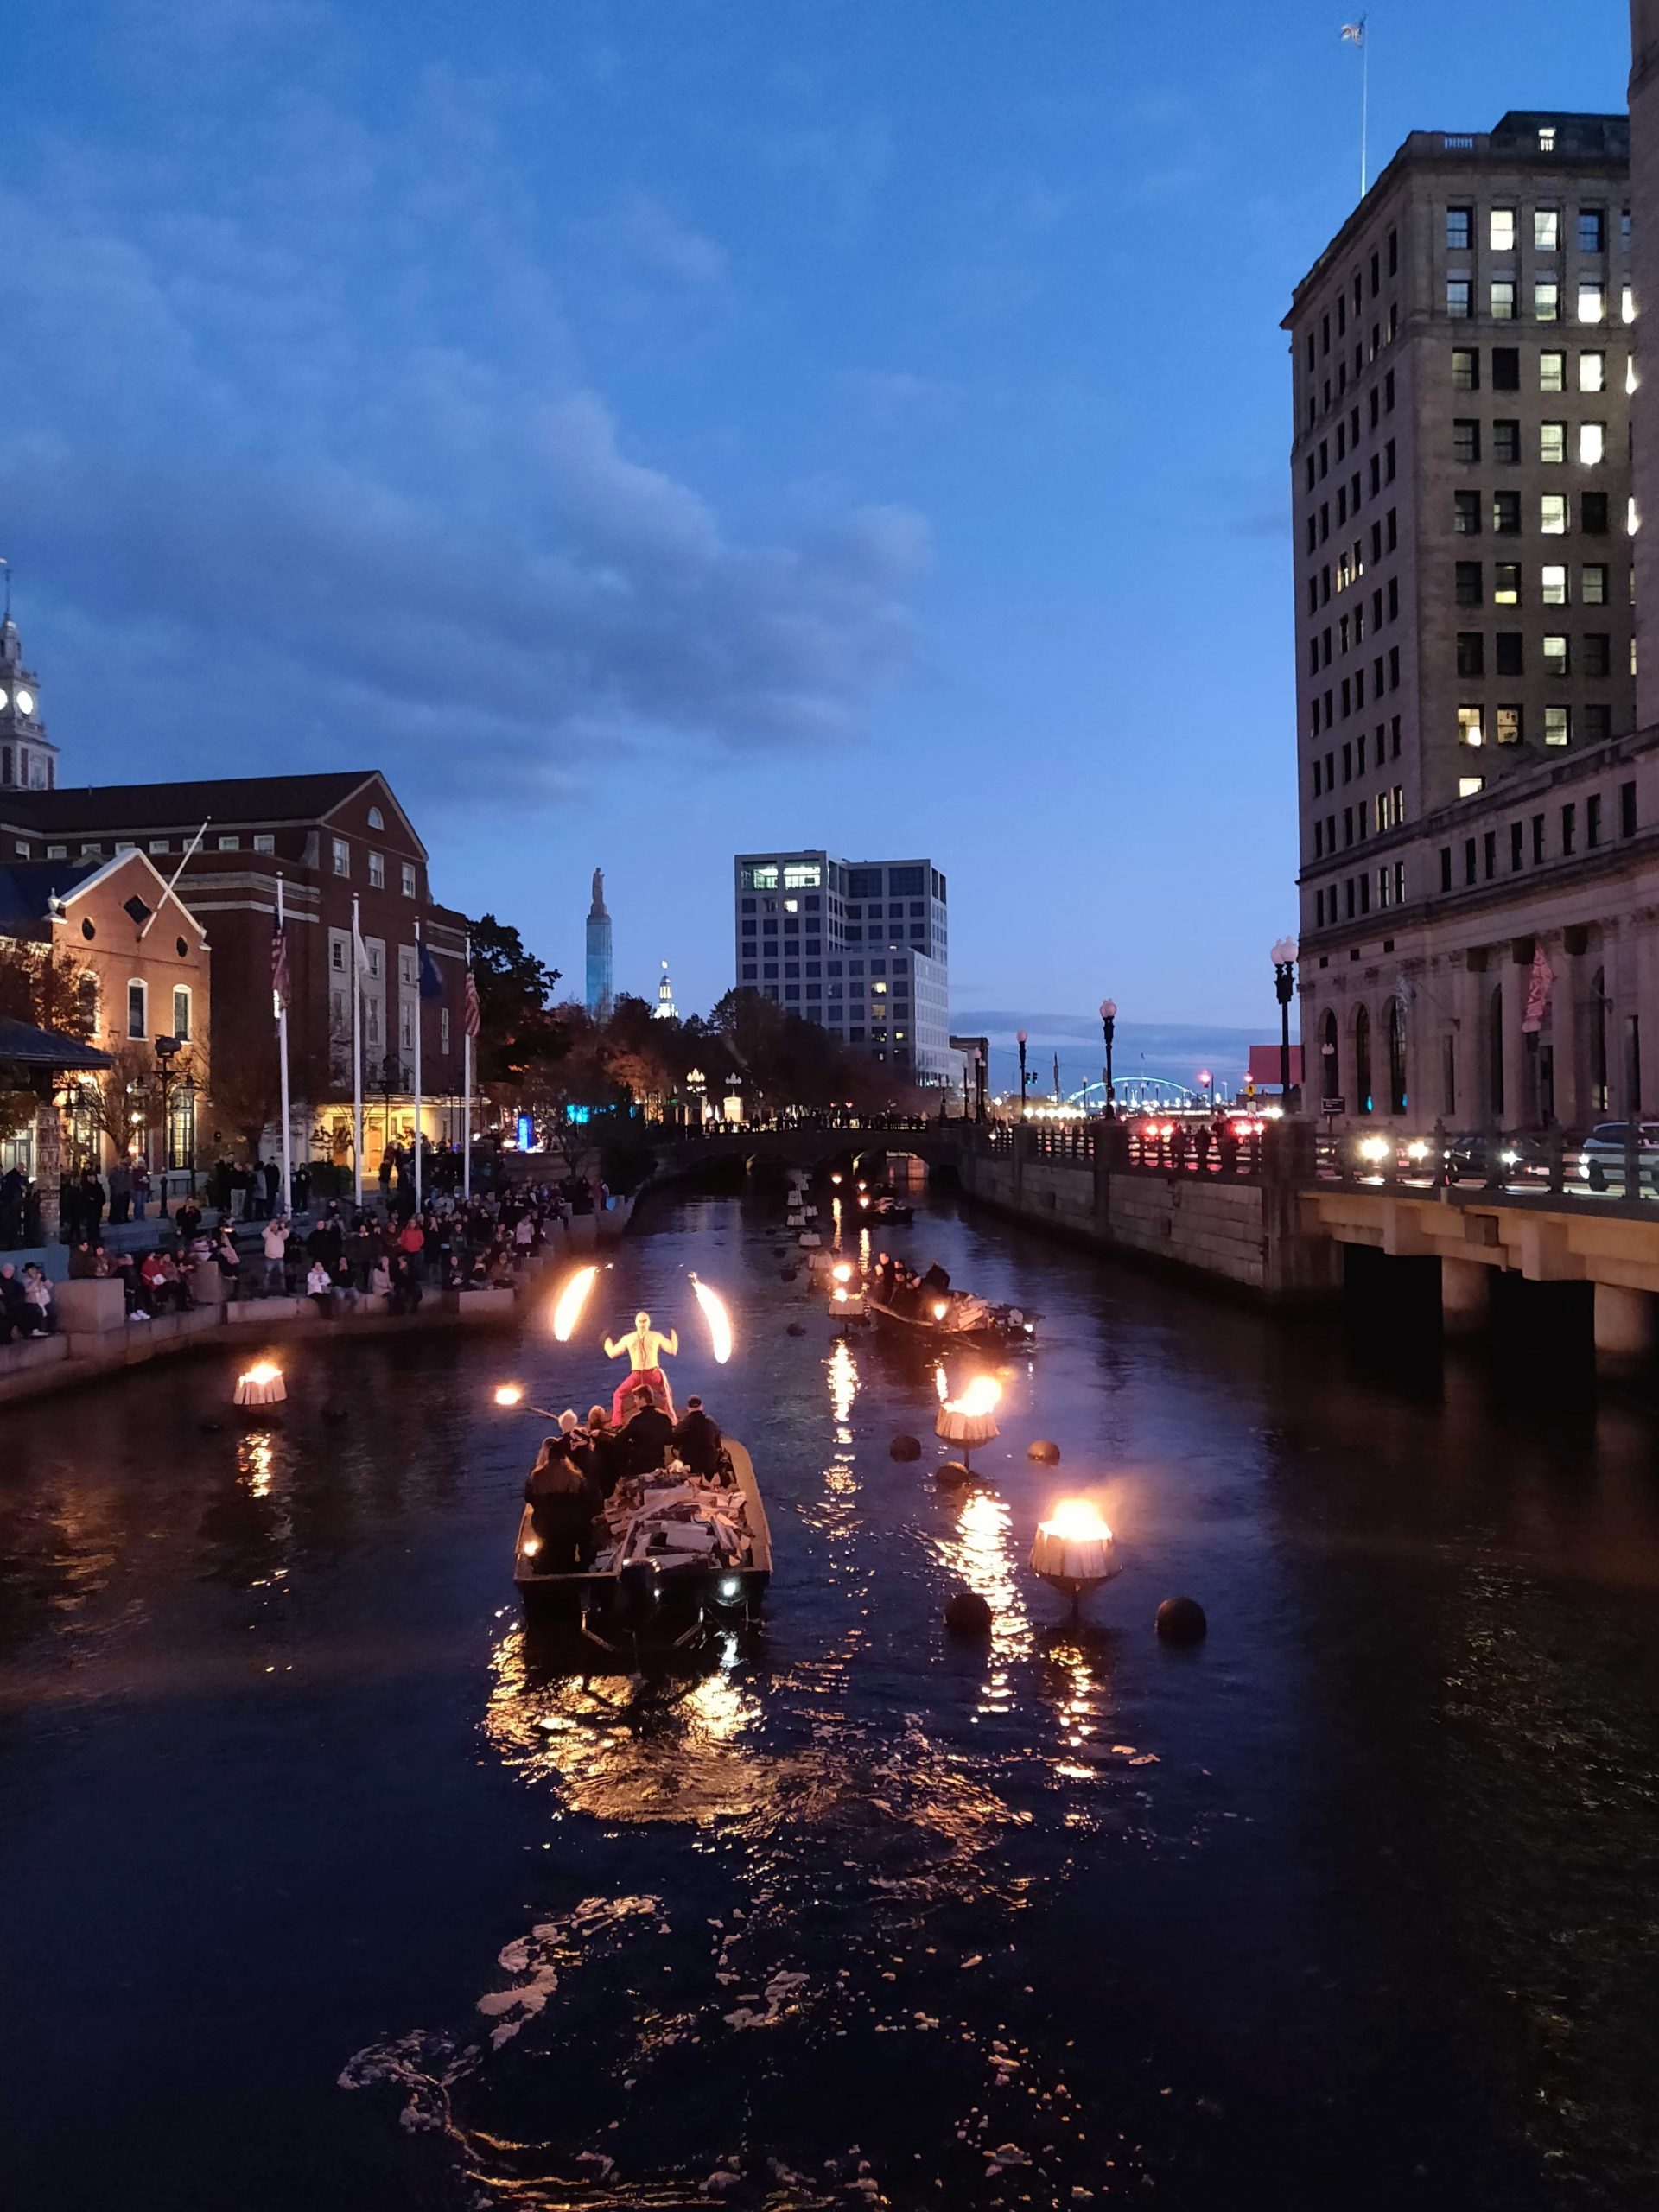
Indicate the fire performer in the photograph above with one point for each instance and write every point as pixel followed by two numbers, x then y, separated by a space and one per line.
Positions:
pixel 644 1347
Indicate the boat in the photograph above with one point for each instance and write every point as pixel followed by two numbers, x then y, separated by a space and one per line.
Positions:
pixel 678 1555
pixel 891 1210
pixel 995 1328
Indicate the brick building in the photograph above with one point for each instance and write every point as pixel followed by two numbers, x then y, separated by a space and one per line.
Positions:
pixel 333 839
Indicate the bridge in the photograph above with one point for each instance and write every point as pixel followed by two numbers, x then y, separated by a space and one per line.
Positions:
pixel 815 1148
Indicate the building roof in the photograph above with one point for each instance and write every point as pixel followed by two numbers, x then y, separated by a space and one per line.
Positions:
pixel 28 888
pixel 23 1044
pixel 170 806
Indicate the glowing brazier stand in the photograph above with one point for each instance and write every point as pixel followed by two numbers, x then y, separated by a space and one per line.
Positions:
pixel 261 1386
pixel 1074 1551
pixel 971 1419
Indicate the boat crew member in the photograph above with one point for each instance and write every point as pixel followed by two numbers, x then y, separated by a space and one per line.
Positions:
pixel 559 1508
pixel 936 1280
pixel 644 1347
pixel 607 1452
pixel 697 1441
pixel 648 1434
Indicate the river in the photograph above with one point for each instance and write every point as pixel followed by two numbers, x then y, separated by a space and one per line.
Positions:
pixel 319 1887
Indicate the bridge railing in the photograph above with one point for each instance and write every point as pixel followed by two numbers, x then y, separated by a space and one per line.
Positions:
pixel 1160 1149
pixel 1613 1163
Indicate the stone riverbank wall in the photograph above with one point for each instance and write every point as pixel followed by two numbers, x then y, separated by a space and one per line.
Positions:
pixel 1242 1230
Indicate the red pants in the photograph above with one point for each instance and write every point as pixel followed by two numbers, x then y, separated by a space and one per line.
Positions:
pixel 640 1378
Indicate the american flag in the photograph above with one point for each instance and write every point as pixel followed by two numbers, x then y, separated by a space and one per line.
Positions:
pixel 469 1015
pixel 279 966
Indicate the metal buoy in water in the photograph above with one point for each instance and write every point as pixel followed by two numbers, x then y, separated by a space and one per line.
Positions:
pixel 906 1447
pixel 1046 1454
pixel 966 1613
pixel 950 1474
pixel 797 1329
pixel 1181 1620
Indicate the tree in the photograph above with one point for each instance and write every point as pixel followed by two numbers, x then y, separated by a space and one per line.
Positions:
pixel 41 986
pixel 515 999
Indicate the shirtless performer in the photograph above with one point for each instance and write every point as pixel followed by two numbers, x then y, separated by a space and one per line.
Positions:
pixel 644 1347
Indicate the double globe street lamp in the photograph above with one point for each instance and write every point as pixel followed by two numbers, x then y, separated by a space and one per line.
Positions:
pixel 1022 1040
pixel 1283 957
pixel 1108 1028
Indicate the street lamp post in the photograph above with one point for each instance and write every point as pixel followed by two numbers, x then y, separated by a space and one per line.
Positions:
pixel 1108 1029
pixel 1022 1075
pixel 166 1049
pixel 1283 957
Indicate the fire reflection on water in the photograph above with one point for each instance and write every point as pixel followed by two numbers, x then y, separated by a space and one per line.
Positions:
pixel 980 1554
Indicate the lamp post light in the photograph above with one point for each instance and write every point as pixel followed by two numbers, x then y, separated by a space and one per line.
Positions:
pixel 187 1091
pixel 1108 1028
pixel 166 1051
pixel 1283 957
pixel 1022 1075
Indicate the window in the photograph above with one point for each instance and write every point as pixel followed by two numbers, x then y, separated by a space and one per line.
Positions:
pixel 1558 725
pixel 1557 659
pixel 342 856
pixel 1500 230
pixel 1488 847
pixel 376 820
pixel 1597 726
pixel 264 841
pixel 1503 299
pixel 1545 137
pixel 1445 867
pixel 1569 826
pixel 1545 300
pixel 230 844
pixel 1552 584
pixel 1469 584
pixel 1592 230
pixel 1552 441
pixel 1592 443
pixel 1552 514
pixel 137 1011
pixel 1466 369
pixel 1506 443
pixel 1592 819
pixel 1459 229
pixel 1517 846
pixel 1509 725
pixel 1537 840
pixel 1508 649
pixel 182 1012
pixel 1627 305
pixel 1506 368
pixel 1471 787
pixel 1596 654
pixel 160 844
pixel 1466 513
pixel 1506 513
pixel 1592 300
pixel 1545 229
pixel 408 885
pixel 1627 809
pixel 337 954
pixel 1592 584
pixel 1470 730
pixel 1457 298
pixel 803 875
pixel 376 871
pixel 759 875
pixel 1592 371
pixel 1465 440
pixel 1506 583
pixel 1552 372
pixel 1471 653
pixel 1592 514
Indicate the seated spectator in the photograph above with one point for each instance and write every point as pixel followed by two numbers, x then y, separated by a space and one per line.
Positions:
pixel 19 1317
pixel 320 1289
pixel 82 1265
pixel 38 1292
pixel 380 1277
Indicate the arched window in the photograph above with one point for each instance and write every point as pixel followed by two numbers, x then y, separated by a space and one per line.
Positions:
pixel 1362 1098
pixel 1393 1023
pixel 376 820
pixel 1329 1075
pixel 1598 1040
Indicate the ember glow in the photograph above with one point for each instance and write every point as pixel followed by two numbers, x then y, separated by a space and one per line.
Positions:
pixel 1077 1521
pixel 572 1299
pixel 719 1322
pixel 509 1394
pixel 264 1372
pixel 843 1271
pixel 979 1398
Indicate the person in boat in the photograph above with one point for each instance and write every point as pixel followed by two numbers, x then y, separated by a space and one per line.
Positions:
pixel 608 1450
pixel 559 1509
pixel 645 1348
pixel 697 1440
pixel 648 1434
pixel 884 1274
pixel 936 1281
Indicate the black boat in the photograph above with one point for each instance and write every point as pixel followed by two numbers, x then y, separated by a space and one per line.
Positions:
pixel 944 1319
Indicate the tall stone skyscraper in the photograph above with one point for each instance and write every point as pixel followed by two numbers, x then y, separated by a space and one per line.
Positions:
pixel 1644 271
pixel 599 994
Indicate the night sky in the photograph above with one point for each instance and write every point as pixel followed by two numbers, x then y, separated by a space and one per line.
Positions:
pixel 652 430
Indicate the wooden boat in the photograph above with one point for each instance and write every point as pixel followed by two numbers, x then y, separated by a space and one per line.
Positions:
pixel 1006 1328
pixel 641 1591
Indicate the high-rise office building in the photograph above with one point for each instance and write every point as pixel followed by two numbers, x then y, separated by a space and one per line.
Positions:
pixel 1463 366
pixel 861 947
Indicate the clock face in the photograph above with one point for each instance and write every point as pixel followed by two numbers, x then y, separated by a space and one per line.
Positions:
pixel 25 702
pixel 3 702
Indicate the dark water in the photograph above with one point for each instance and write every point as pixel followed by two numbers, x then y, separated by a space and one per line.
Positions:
pixel 1356 1905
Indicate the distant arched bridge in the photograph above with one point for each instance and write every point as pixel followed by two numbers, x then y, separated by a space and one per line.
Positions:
pixel 816 1150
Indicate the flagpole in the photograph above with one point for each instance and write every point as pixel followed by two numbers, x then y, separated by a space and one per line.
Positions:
pixel 281 1060
pixel 467 1087
pixel 356 1052
pixel 1364 105
pixel 417 1063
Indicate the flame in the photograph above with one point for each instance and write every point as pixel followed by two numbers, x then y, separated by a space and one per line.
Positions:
pixel 942 1386
pixel 720 1321
pixel 509 1394
pixel 843 1272
pixel 572 1299
pixel 980 1397
pixel 841 1295
pixel 1077 1521
pixel 264 1372
pixel 940 1309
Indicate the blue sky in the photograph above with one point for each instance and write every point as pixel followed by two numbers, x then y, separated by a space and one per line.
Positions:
pixel 650 430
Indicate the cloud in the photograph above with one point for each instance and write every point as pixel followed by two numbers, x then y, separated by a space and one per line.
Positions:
pixel 317 466
pixel 646 232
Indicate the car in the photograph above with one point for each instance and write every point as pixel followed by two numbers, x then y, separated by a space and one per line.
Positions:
pixel 1601 1157
pixel 1521 1159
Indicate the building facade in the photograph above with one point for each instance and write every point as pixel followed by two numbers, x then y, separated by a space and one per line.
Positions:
pixel 340 843
pixel 859 947
pixel 1477 812
pixel 27 757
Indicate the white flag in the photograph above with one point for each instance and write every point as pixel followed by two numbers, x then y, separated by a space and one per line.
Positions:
pixel 1354 33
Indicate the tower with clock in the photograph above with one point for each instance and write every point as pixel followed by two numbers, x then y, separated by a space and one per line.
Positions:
pixel 29 759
